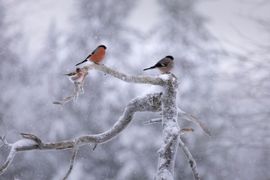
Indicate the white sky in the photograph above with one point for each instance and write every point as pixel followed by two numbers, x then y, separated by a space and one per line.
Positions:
pixel 226 19
pixel 145 16
pixel 229 20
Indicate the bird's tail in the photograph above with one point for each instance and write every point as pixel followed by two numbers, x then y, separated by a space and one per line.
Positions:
pixel 150 68
pixel 81 62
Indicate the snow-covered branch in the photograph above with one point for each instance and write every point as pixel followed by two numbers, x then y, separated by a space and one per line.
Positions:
pixel 128 78
pixel 165 102
pixel 150 102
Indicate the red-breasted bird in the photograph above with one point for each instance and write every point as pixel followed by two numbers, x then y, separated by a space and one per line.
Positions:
pixel 165 65
pixel 77 76
pixel 96 56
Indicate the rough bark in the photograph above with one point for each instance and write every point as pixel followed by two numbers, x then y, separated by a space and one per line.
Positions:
pixel 170 132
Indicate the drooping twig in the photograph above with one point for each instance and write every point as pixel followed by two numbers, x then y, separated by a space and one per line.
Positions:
pixel 66 99
pixel 186 116
pixel 72 160
pixel 95 146
pixel 191 160
pixel 152 121
pixel 78 87
pixel 195 120
pixel 185 130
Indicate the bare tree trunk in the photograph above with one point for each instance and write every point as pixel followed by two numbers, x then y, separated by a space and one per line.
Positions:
pixel 171 130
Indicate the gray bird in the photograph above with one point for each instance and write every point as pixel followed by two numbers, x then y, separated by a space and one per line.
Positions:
pixel 165 65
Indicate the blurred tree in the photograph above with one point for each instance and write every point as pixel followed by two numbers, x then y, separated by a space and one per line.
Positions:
pixel 102 23
pixel 225 89
pixel 181 32
pixel 8 59
pixel 228 91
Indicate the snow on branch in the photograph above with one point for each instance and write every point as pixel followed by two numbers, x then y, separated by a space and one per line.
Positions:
pixel 170 132
pixel 150 102
pixel 128 78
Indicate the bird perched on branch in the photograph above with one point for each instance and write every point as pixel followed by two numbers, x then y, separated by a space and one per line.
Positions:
pixel 165 65
pixel 96 56
pixel 78 75
pixel 77 78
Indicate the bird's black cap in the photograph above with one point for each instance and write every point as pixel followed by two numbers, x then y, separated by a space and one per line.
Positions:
pixel 170 57
pixel 102 46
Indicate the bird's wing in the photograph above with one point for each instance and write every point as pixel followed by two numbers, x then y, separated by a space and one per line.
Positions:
pixel 89 56
pixel 161 63
pixel 94 51
pixel 91 53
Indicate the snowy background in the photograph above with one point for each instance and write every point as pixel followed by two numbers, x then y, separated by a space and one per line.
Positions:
pixel 221 50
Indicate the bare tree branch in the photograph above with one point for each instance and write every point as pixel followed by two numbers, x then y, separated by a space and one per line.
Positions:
pixel 128 78
pixel 191 160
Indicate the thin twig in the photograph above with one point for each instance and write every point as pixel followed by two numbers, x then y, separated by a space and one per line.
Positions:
pixel 72 160
pixel 186 116
pixel 185 130
pixel 152 121
pixel 4 141
pixel 65 99
pixel 195 120
pixel 32 137
pixel 95 146
pixel 191 160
